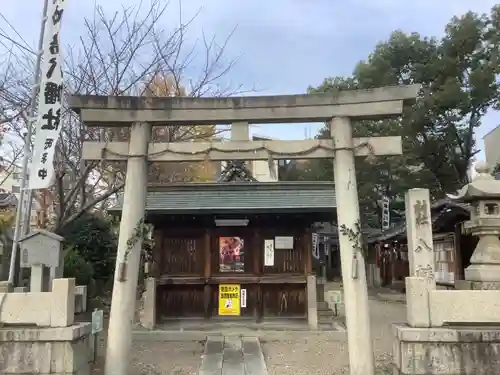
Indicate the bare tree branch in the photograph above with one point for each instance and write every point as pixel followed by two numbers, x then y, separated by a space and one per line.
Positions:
pixel 127 52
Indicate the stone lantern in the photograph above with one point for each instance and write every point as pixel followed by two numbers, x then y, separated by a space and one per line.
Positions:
pixel 483 194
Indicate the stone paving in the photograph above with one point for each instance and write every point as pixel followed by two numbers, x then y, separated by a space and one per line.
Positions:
pixel 232 355
pixel 323 357
pixel 304 354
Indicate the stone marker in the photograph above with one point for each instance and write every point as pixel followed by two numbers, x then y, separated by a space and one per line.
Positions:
pixel 420 256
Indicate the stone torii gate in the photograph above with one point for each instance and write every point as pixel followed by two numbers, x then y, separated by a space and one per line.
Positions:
pixel 141 113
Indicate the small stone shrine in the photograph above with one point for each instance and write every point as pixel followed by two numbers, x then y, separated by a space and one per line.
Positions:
pixel 483 194
pixel 451 332
pixel 41 251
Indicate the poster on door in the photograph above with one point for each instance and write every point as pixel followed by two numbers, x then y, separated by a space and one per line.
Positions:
pixel 231 254
pixel 229 300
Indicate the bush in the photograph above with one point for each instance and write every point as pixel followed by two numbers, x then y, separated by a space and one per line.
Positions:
pixel 94 240
pixel 77 267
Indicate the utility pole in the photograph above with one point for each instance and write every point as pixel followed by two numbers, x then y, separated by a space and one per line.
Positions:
pixel 24 194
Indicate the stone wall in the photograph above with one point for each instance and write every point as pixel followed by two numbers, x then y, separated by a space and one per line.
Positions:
pixel 38 334
pixel 58 351
pixel 446 351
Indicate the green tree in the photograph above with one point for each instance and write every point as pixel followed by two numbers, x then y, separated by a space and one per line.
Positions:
pixel 77 267
pixel 459 75
pixel 91 238
pixel 377 177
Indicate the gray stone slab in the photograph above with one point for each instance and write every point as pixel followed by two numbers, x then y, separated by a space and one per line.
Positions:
pixel 233 356
pixel 211 365
pixel 253 357
pixel 214 345
pixel 212 358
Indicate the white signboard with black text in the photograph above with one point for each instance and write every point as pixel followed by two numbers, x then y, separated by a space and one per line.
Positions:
pixel 283 242
pixel 268 252
pixel 243 298
pixel 315 245
pixel 49 119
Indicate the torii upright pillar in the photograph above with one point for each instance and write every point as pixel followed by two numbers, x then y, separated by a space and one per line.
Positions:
pixel 123 301
pixel 352 260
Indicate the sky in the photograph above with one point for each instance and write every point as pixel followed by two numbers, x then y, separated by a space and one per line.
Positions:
pixel 281 46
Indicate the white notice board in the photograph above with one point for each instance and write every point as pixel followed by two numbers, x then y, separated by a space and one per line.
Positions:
pixel 268 252
pixel 283 242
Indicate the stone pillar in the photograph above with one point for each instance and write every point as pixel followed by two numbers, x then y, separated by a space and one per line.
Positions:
pixel 419 233
pixel 320 289
pixel 420 257
pixel 37 280
pixel 6 287
pixel 128 255
pixel 57 272
pixel 312 302
pixel 374 278
pixel 148 315
pixel 62 311
pixel 352 260
pixel 81 298
pixel 240 131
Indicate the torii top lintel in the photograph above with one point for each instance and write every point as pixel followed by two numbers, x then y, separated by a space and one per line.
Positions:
pixel 375 103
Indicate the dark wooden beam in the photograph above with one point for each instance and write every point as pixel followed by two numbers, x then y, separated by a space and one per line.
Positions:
pixel 207 264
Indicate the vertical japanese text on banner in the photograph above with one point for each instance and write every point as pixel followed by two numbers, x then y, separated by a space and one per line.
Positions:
pixel 48 125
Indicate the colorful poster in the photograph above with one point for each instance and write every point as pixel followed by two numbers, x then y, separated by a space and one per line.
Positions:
pixel 229 300
pixel 231 254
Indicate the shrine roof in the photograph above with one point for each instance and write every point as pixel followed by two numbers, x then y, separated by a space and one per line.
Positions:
pixel 442 209
pixel 239 197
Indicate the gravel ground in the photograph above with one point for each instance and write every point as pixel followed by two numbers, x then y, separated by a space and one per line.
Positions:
pixel 161 358
pixel 321 357
pixel 314 355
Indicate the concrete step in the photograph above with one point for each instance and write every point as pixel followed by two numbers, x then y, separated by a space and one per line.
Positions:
pixel 322 305
pixel 325 313
pixel 326 318
pixel 325 326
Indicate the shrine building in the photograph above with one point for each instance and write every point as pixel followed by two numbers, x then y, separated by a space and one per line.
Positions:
pixel 234 249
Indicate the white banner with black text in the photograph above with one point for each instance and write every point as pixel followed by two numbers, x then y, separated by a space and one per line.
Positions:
pixel 49 121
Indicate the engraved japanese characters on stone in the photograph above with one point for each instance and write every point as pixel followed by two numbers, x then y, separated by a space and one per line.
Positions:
pixel 420 209
pixel 425 271
pixel 422 245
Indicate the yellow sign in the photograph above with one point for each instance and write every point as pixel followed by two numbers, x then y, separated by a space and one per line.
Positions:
pixel 229 300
